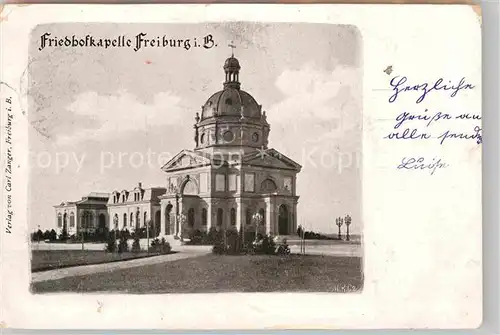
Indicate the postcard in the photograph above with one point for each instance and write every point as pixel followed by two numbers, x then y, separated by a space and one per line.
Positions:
pixel 241 167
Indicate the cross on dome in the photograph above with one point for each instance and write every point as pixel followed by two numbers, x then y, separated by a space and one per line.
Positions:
pixel 232 46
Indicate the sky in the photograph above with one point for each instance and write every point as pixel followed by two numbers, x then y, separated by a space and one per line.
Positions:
pixel 106 119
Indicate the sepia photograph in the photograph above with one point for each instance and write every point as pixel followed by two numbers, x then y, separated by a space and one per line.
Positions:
pixel 195 158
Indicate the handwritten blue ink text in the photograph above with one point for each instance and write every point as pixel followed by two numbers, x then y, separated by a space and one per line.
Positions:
pixel 406 116
pixel 411 163
pixel 399 85
pixel 408 134
pixel 471 136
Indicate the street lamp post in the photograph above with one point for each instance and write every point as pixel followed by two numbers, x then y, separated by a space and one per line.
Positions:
pixel 339 222
pixel 257 219
pixel 347 221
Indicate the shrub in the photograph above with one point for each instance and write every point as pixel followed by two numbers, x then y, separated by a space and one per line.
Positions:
pixel 165 246
pixel 268 245
pixel 211 236
pixel 53 235
pixel 111 243
pixel 196 237
pixel 39 235
pixel 64 235
pixel 46 235
pixel 218 249
pixel 136 246
pixel 233 242
pixel 123 244
pixel 160 246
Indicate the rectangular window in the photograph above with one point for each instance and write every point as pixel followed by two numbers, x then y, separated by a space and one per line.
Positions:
pixel 203 182
pixel 220 182
pixel 287 184
pixel 249 182
pixel 232 182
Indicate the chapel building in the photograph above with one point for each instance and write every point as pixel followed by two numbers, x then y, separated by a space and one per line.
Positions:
pixel 231 174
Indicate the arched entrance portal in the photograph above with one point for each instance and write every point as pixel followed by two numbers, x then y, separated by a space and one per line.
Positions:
pixel 283 220
pixel 168 226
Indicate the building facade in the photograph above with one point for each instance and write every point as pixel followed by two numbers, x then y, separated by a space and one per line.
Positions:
pixel 231 174
pixel 88 215
pixel 132 209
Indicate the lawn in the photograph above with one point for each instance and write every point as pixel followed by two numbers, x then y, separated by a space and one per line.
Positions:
pixel 214 273
pixel 55 259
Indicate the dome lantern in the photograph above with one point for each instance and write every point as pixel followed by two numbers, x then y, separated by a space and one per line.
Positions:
pixel 232 70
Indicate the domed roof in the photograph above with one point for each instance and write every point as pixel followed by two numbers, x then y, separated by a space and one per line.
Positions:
pixel 232 62
pixel 231 102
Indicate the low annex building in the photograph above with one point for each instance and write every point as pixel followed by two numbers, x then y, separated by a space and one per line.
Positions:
pixel 88 215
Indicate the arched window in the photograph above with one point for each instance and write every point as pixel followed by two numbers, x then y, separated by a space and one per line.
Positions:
pixel 204 216
pixel 59 220
pixel 249 217
pixel 72 220
pixel 124 220
pixel 145 218
pixel 131 219
pixel 220 217
pixel 191 217
pixel 268 186
pixel 190 188
pixel 233 217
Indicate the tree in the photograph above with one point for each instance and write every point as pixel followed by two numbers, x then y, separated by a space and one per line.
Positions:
pixel 64 234
pixel 136 246
pixel 347 221
pixel 53 235
pixel 39 235
pixel 46 235
pixel 339 222
pixel 123 244
pixel 111 243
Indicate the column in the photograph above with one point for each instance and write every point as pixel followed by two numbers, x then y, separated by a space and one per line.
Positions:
pixel 178 226
pixel 239 215
pixel 162 218
pixel 294 219
pixel 209 214
pixel 269 217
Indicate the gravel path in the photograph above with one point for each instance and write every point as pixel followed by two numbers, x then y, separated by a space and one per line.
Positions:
pixel 183 252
